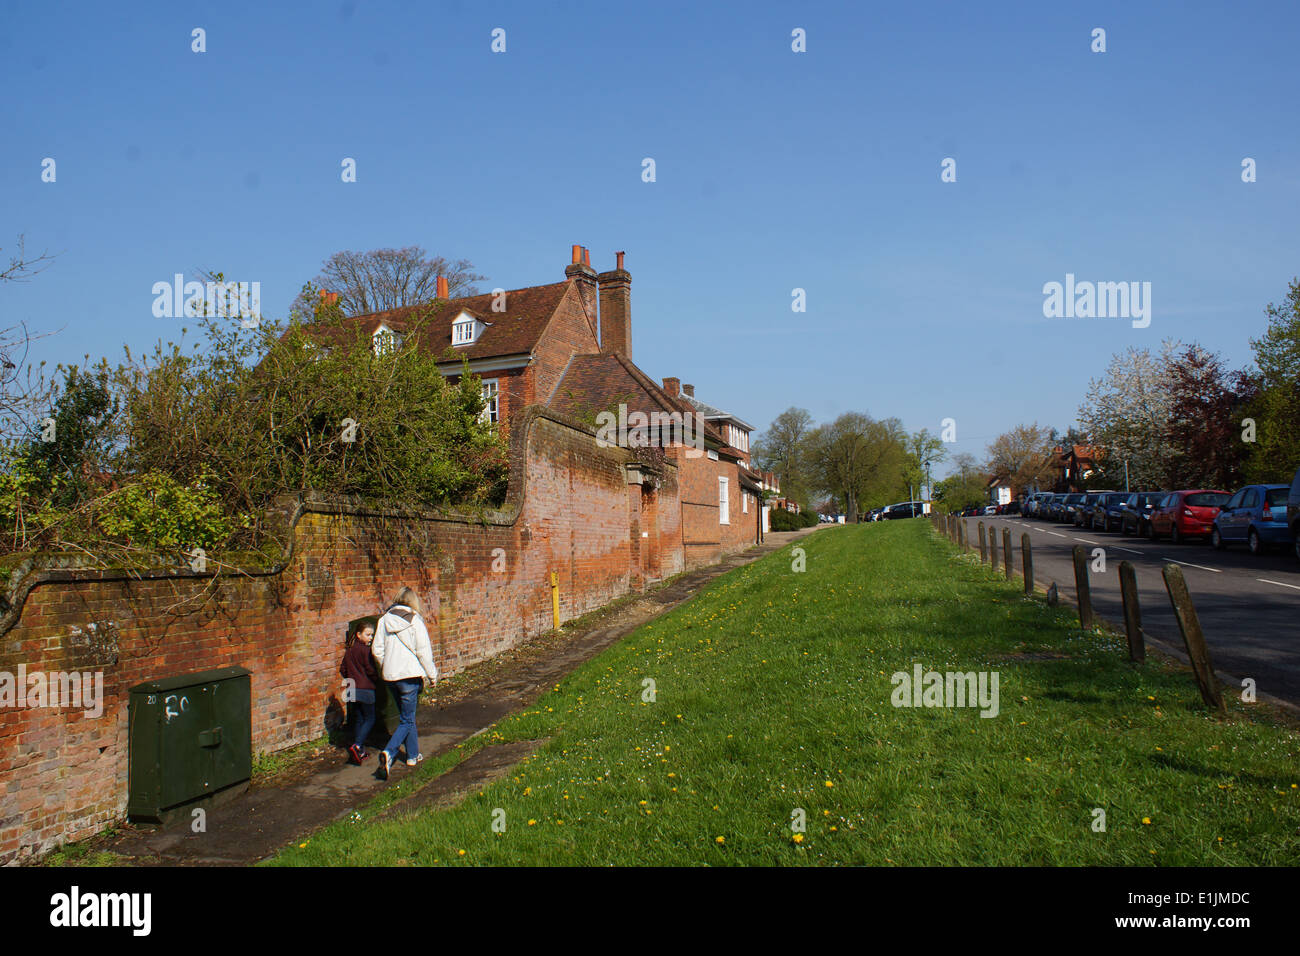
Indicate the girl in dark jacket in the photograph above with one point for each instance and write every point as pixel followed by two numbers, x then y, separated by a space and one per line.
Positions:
pixel 359 667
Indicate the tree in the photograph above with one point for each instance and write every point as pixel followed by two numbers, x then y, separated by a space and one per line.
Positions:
pixel 923 452
pixel 1276 407
pixel 967 466
pixel 1203 432
pixel 782 449
pixel 1022 456
pixel 1127 410
pixel 388 279
pixel 855 457
pixel 72 443
pixel 23 389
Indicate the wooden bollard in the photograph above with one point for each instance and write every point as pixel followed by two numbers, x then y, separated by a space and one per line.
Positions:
pixel 993 547
pixel 1027 562
pixel 984 554
pixel 1128 589
pixel 1082 588
pixel 961 533
pixel 1006 552
pixel 1193 636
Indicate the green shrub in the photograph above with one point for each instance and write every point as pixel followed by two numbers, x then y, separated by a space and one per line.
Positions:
pixel 782 520
pixel 158 513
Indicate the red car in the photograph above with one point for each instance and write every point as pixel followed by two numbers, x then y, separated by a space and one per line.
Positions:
pixel 1186 514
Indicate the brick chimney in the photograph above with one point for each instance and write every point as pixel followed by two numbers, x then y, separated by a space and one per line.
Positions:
pixel 689 390
pixel 616 309
pixel 584 276
pixel 442 290
pixel 671 385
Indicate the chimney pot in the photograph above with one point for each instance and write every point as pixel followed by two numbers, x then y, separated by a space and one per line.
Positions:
pixel 586 256
pixel 577 255
pixel 443 290
pixel 689 390
pixel 619 257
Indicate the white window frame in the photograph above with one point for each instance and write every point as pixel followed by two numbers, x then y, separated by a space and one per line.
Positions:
pixel 462 333
pixel 724 501
pixel 744 501
pixel 385 340
pixel 492 394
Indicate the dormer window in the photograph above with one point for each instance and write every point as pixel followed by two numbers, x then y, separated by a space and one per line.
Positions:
pixel 385 340
pixel 465 329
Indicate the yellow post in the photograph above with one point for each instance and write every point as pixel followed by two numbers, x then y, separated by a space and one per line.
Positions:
pixel 555 601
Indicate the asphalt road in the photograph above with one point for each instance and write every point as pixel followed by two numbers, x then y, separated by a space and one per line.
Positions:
pixel 1249 606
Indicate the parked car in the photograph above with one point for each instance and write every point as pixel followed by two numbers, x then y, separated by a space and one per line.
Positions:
pixel 1186 514
pixel 1047 506
pixel 1030 504
pixel 904 509
pixel 1256 515
pixel 1293 512
pixel 1065 511
pixel 1108 512
pixel 1137 512
pixel 990 509
pixel 1082 515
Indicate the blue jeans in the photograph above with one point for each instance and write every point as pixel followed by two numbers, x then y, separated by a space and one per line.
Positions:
pixel 363 716
pixel 405 694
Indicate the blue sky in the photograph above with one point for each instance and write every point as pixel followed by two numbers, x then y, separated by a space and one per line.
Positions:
pixel 775 170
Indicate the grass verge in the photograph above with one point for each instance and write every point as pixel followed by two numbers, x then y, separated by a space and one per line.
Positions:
pixel 769 701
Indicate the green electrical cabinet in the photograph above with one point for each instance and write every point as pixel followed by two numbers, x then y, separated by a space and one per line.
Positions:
pixel 191 742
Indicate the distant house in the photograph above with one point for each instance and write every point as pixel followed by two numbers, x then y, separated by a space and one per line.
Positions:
pixel 1073 466
pixel 1000 491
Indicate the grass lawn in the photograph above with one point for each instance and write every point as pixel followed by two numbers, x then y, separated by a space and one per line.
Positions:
pixel 772 695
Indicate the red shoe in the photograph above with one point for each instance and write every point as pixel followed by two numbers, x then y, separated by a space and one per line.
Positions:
pixel 357 753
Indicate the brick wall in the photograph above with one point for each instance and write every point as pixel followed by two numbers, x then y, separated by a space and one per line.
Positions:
pixel 704 538
pixel 570 509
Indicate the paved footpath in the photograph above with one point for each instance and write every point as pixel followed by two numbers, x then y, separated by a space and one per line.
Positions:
pixel 258 823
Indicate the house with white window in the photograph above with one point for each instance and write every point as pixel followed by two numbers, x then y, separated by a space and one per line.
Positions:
pixel 568 346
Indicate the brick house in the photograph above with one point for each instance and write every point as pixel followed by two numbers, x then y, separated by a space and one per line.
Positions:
pixel 1073 466
pixel 568 346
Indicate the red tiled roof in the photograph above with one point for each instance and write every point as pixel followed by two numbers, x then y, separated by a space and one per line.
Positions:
pixel 594 380
pixel 512 332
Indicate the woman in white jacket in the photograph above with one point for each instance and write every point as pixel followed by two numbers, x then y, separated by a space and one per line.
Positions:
pixel 401 648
